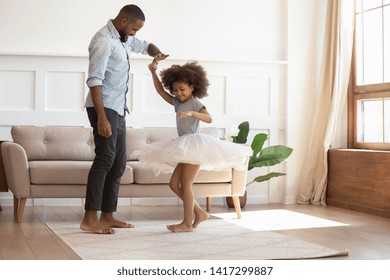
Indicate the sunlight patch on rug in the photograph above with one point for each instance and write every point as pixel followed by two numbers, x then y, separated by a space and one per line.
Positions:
pixel 214 239
pixel 278 219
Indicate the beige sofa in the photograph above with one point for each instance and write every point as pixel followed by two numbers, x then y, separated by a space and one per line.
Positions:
pixel 53 162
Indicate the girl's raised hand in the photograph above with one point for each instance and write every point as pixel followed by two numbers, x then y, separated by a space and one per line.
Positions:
pixel 153 65
pixel 156 59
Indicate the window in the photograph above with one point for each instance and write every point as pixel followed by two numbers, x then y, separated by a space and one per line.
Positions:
pixel 369 90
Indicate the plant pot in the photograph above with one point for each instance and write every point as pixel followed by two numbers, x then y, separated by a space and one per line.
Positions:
pixel 243 199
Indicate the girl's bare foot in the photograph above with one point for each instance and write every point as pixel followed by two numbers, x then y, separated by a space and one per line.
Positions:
pixel 180 228
pixel 200 217
pixel 96 227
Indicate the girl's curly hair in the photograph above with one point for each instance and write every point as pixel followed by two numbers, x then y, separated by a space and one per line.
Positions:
pixel 191 73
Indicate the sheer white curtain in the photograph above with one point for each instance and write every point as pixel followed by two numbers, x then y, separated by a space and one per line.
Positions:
pixel 331 97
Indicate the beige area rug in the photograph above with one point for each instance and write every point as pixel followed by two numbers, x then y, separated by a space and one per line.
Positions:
pixel 216 238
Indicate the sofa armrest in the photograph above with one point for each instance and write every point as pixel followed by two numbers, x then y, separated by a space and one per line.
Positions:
pixel 16 169
pixel 239 178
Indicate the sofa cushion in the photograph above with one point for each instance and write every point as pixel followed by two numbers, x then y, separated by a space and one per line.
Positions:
pixel 144 175
pixel 55 143
pixel 77 143
pixel 67 172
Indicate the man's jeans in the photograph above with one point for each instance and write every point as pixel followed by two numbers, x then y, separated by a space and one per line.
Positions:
pixel 109 163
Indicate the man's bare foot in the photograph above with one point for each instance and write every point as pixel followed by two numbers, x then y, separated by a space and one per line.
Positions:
pixel 180 228
pixel 109 220
pixel 91 224
pixel 96 227
pixel 200 217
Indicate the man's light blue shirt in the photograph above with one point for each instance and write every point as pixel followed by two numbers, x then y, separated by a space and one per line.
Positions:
pixel 109 66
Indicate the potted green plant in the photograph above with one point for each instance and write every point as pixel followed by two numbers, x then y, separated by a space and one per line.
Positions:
pixel 261 156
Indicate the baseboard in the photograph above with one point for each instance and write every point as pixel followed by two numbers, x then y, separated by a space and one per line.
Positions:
pixel 155 201
pixel 292 199
pixel 257 200
pixel 6 199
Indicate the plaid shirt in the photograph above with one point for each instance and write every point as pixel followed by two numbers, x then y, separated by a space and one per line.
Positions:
pixel 109 66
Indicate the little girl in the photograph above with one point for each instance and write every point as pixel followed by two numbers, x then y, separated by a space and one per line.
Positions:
pixel 192 150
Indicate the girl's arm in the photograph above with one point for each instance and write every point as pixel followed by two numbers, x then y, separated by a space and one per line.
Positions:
pixel 202 115
pixel 157 83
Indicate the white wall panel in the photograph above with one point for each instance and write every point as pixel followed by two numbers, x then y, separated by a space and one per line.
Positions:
pixel 130 101
pixel 17 90
pixel 65 91
pixel 215 102
pixel 252 95
pixel 151 100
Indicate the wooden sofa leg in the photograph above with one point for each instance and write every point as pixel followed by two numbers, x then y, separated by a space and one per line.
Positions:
pixel 208 204
pixel 22 204
pixel 16 205
pixel 237 207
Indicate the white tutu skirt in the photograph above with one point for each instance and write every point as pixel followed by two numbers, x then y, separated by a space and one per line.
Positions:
pixel 205 150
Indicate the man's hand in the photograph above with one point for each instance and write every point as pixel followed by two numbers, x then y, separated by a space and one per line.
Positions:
pixel 104 128
pixel 156 59
pixel 160 56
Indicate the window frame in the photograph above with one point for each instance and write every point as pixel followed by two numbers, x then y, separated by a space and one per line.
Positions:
pixel 359 92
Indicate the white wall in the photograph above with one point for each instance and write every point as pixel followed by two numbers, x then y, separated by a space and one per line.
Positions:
pixel 261 56
pixel 249 30
pixel 306 21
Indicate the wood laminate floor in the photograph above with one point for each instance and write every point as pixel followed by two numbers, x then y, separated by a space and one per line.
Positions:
pixel 367 237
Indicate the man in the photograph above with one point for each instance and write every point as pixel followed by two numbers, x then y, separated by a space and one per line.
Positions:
pixel 109 65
